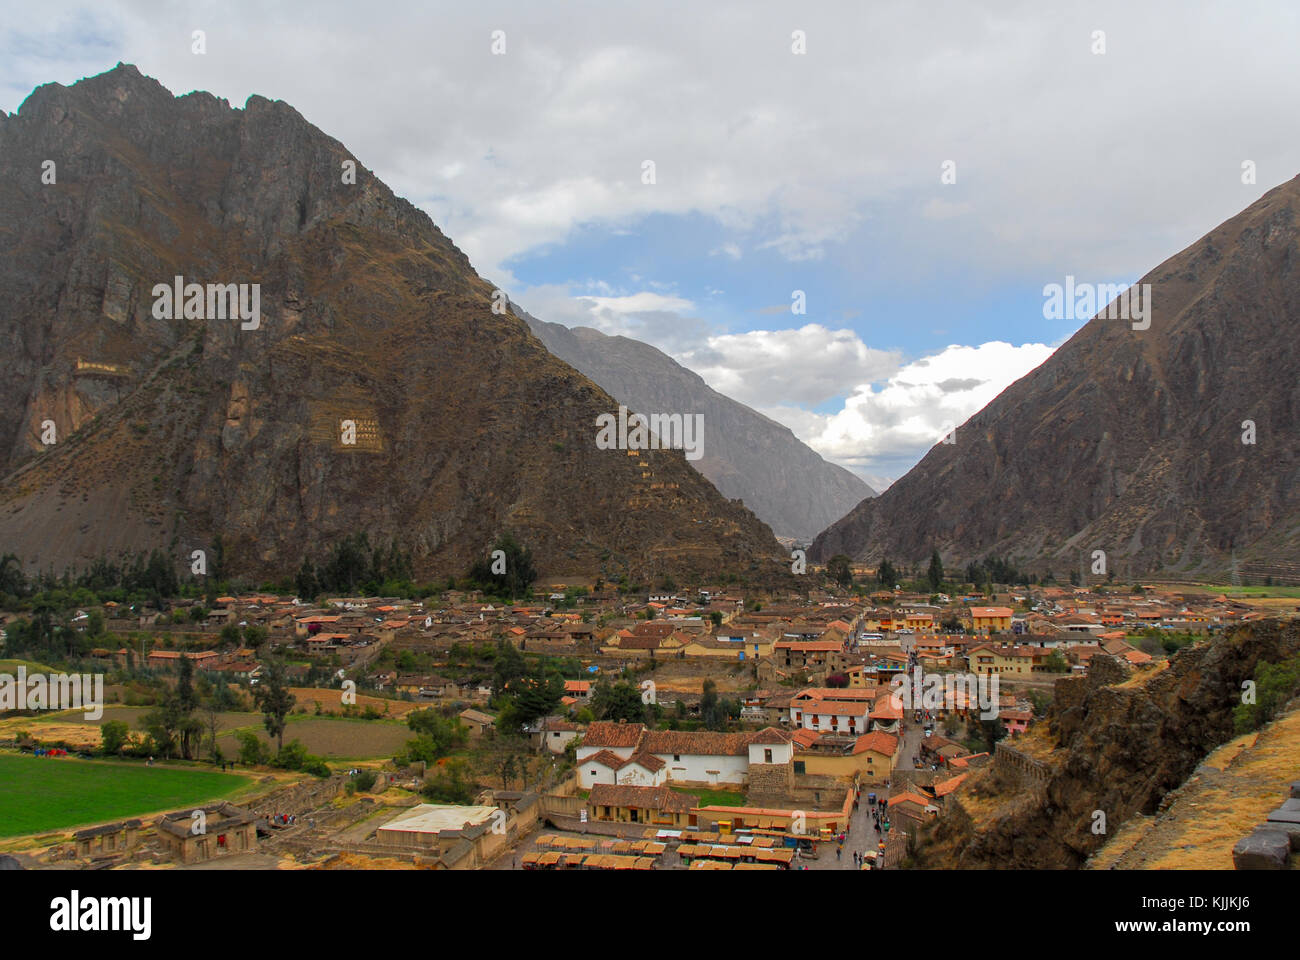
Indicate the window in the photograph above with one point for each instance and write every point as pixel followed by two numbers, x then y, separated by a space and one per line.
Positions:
pixel 767 756
pixel 677 758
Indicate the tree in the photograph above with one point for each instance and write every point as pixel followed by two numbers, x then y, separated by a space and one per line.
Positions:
pixel 518 575
pixel 450 785
pixel 935 574
pixel 992 730
pixel 115 734
pixel 711 707
pixel 508 666
pixel 534 698
pixel 840 569
pixel 273 698
pixel 305 582
pixel 886 575
pixel 213 711
pixel 12 580
pixel 230 635
pixel 1275 685
pixel 620 701
pixel 251 750
pixel 509 770
pixel 437 735
pixel 255 636
pixel 162 725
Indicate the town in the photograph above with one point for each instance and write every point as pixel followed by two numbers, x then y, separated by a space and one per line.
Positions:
pixel 586 726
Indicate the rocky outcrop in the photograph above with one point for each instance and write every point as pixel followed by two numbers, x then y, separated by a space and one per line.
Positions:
pixel 746 455
pixel 1118 751
pixel 1131 441
pixel 171 433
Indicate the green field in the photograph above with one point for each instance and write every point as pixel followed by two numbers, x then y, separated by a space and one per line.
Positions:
pixel 11 666
pixel 1231 591
pixel 40 794
pixel 714 798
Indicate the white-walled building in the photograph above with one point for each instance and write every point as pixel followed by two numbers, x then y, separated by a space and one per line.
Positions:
pixel 620 753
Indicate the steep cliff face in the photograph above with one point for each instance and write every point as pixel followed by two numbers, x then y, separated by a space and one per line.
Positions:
pixel 1131 441
pixel 746 456
pixel 1119 749
pixel 171 432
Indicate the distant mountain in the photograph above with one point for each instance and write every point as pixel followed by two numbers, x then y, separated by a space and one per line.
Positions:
pixel 747 456
pixel 171 433
pixel 1130 441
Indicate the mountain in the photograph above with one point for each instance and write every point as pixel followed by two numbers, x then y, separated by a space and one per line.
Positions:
pixel 171 433
pixel 746 455
pixel 1130 441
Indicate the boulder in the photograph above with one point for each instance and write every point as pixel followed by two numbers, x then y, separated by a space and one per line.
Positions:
pixel 1265 849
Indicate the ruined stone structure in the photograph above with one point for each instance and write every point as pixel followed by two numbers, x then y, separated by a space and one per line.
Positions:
pixel 1013 763
pixel 223 829
pixel 107 840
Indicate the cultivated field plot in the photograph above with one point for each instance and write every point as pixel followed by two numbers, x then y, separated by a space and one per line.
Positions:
pixel 331 701
pixel 39 794
pixel 334 738
pixel 72 727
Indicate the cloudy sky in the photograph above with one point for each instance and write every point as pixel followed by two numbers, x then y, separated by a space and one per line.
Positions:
pixel 774 171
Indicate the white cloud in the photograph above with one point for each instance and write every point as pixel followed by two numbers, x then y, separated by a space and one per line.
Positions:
pixel 883 430
pixel 643 302
pixel 807 366
pixel 790 153
pixel 893 410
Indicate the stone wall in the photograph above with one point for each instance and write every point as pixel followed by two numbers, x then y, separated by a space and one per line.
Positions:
pixel 770 780
pixel 298 798
pixel 1104 670
pixel 1013 763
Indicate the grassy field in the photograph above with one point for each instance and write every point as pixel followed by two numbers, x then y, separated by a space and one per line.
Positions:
pixel 714 798
pixel 44 794
pixel 11 666
pixel 1243 592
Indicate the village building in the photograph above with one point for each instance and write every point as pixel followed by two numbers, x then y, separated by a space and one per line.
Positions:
pixel 655 805
pixel 107 840
pixel 222 830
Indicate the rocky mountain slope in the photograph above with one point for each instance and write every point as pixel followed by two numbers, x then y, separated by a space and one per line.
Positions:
pixel 746 455
pixel 1196 826
pixel 172 432
pixel 1131 441
pixel 1118 748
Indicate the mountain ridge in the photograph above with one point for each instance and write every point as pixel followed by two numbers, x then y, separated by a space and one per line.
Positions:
pixel 172 433
pixel 747 456
pixel 1130 441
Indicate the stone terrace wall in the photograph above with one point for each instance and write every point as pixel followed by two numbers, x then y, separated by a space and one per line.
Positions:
pixel 1013 763
pixel 298 798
